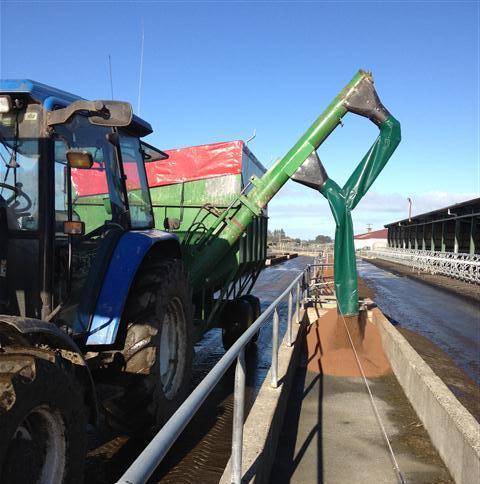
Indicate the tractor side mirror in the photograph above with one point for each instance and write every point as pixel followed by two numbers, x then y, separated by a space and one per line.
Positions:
pixel 113 113
pixel 102 113
pixel 80 159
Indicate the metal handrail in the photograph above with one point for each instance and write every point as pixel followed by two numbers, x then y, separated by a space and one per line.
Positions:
pixel 149 459
pixel 465 267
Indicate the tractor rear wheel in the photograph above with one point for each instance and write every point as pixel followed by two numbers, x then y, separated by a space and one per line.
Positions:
pixel 43 435
pixel 158 351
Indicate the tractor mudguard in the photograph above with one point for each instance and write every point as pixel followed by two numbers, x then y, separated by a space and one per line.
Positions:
pixel 127 257
pixel 24 333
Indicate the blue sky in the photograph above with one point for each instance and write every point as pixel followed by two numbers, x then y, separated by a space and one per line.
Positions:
pixel 214 71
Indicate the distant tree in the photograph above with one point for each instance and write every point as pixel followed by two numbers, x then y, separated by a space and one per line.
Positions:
pixel 323 239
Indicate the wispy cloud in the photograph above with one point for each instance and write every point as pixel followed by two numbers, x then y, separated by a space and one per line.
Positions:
pixel 305 213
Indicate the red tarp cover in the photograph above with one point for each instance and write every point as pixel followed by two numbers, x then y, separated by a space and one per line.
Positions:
pixel 196 162
pixel 94 181
pixel 183 164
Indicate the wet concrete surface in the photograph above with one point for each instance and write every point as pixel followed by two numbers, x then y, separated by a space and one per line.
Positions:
pixel 203 450
pixel 447 320
pixel 331 435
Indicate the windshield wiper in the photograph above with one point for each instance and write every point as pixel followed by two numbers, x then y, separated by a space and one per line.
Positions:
pixel 7 149
pixel 13 156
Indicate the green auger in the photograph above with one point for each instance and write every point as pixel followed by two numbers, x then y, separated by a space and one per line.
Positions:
pixel 302 164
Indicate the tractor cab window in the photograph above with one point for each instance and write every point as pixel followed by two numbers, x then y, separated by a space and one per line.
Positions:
pixel 97 195
pixel 19 159
pixel 141 216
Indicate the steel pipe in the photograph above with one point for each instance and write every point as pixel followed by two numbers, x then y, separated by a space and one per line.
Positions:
pixel 274 367
pixel 297 304
pixel 238 418
pixel 289 319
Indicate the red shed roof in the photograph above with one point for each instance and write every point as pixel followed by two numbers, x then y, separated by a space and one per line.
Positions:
pixel 374 234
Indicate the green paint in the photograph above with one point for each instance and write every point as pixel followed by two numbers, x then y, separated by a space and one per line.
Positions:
pixel 213 247
pixel 457 236
pixel 343 200
pixel 198 205
pixel 226 232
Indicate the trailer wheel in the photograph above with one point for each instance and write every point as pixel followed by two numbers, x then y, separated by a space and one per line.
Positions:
pixel 158 351
pixel 255 303
pixel 43 435
pixel 238 316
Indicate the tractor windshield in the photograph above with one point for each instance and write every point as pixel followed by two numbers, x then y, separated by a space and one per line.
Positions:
pixel 141 216
pixel 19 156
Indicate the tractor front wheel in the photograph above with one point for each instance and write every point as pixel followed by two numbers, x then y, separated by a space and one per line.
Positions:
pixel 43 434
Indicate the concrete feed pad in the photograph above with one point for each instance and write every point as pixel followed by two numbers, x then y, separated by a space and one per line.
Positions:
pixel 453 430
pixel 330 432
pixel 338 439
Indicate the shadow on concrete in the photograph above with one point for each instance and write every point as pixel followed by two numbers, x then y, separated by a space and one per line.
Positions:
pixel 306 385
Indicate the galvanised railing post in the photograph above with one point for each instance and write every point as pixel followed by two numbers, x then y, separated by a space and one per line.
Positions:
pixel 302 293
pixel 274 369
pixel 297 304
pixel 238 418
pixel 308 278
pixel 289 319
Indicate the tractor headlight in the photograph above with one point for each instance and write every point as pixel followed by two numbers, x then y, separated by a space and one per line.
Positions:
pixel 5 104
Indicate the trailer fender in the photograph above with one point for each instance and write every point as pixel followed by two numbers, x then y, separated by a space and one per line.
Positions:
pixel 126 259
pixel 27 338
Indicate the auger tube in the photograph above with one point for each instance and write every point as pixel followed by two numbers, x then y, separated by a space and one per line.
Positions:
pixel 358 97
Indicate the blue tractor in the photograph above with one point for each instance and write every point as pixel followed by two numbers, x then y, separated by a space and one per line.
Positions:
pixel 95 307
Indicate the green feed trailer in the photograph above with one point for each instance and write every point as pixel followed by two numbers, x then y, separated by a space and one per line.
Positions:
pixel 194 193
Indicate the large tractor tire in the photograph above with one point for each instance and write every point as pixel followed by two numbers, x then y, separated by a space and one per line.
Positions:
pixel 43 435
pixel 158 351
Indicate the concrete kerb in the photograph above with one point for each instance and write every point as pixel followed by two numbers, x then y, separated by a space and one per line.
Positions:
pixel 452 429
pixel 264 422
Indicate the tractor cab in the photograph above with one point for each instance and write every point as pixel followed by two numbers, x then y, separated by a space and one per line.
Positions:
pixel 72 181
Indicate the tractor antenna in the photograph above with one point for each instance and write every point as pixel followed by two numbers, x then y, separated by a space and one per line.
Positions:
pixel 141 71
pixel 110 74
pixel 252 137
